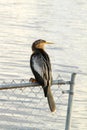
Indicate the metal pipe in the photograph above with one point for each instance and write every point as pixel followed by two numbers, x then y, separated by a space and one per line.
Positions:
pixel 29 84
pixel 70 102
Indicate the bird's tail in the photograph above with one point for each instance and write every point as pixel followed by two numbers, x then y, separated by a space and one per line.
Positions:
pixel 51 101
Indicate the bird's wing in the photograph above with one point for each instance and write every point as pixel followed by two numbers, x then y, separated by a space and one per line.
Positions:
pixel 40 68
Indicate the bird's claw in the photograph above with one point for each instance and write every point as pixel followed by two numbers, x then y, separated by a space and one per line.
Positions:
pixel 32 80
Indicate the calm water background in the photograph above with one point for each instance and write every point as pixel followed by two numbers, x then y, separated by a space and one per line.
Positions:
pixel 62 22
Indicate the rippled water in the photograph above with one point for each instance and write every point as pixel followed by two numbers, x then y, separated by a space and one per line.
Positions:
pixel 62 22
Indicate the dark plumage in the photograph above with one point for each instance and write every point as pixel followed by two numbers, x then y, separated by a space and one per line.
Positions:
pixel 41 68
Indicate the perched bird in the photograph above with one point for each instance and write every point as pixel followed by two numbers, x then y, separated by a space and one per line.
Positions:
pixel 41 68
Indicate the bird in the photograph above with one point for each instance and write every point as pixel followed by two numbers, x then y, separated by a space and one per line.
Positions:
pixel 41 69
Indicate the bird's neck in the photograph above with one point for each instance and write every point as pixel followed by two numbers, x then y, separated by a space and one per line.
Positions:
pixel 38 49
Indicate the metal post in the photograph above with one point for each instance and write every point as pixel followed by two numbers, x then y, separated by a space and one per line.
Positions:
pixel 70 101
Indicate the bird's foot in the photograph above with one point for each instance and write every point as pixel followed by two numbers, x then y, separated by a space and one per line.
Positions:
pixel 32 80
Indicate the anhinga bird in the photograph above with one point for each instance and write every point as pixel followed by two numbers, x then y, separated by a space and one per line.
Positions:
pixel 41 68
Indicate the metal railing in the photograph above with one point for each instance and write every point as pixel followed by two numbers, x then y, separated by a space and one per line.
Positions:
pixel 23 84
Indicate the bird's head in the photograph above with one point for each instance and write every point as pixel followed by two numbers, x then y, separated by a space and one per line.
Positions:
pixel 39 44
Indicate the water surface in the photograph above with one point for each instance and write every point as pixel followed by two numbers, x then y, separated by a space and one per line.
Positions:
pixel 62 22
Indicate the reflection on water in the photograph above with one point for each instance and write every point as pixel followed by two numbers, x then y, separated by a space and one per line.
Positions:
pixel 62 22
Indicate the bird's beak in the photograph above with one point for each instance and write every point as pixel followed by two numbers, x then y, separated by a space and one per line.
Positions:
pixel 49 43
